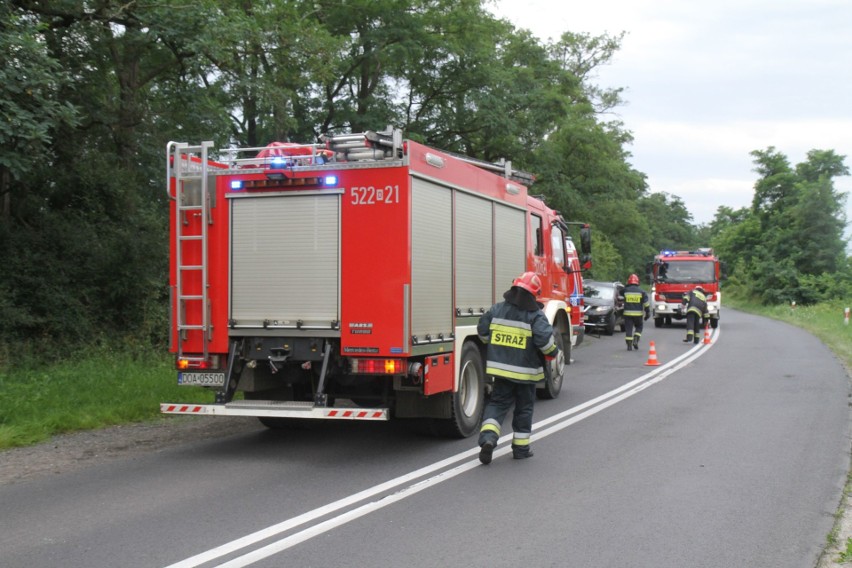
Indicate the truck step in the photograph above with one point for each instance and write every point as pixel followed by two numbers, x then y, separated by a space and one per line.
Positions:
pixel 271 404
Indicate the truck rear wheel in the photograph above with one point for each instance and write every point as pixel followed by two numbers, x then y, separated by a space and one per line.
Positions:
pixel 468 401
pixel 658 322
pixel 554 370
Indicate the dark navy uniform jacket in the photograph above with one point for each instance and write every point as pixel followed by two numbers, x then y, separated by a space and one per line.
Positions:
pixel 514 336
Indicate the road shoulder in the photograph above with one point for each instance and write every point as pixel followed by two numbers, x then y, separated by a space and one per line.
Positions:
pixel 75 451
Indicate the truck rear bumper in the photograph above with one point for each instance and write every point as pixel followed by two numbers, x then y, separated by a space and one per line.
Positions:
pixel 276 409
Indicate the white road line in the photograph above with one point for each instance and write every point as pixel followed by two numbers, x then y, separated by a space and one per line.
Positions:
pixel 594 406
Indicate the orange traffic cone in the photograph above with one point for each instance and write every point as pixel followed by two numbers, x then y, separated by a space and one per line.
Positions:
pixel 707 333
pixel 652 356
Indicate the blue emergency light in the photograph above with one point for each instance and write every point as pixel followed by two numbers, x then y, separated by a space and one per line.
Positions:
pixel 236 185
pixel 330 180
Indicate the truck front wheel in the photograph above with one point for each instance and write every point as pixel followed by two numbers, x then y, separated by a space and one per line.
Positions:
pixel 554 370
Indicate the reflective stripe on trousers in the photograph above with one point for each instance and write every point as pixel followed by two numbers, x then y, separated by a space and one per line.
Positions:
pixel 504 394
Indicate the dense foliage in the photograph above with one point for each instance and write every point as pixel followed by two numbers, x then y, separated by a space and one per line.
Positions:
pixel 91 91
pixel 788 246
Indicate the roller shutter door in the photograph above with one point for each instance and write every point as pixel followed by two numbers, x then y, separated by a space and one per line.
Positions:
pixel 285 260
pixel 431 260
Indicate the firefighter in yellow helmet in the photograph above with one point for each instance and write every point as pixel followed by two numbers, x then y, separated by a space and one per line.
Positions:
pixel 517 333
pixel 636 305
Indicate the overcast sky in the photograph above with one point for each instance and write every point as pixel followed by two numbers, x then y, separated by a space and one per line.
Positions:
pixel 708 82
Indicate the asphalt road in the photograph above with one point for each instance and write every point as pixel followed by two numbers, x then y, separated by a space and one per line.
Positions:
pixel 732 454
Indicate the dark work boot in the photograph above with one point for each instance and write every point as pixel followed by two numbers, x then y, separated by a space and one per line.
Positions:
pixel 695 341
pixel 630 347
pixel 485 452
pixel 636 343
pixel 522 455
pixel 686 340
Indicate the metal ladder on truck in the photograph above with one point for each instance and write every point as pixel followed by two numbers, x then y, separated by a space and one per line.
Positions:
pixel 189 168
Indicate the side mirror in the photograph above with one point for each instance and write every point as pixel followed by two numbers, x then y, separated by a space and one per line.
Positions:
pixel 586 242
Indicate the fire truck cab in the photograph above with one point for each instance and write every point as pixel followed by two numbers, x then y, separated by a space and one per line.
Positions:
pixel 345 279
pixel 675 273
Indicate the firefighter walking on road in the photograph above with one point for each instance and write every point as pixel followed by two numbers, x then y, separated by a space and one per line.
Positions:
pixel 517 334
pixel 696 309
pixel 637 309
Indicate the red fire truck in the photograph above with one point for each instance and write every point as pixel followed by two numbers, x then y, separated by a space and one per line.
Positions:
pixel 345 279
pixel 674 273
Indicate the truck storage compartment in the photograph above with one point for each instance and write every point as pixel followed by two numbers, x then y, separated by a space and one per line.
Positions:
pixel 285 258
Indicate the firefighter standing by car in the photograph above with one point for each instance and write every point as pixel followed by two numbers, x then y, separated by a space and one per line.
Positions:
pixel 517 334
pixel 637 309
pixel 695 303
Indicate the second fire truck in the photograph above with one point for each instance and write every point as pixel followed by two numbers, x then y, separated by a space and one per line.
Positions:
pixel 344 279
pixel 675 273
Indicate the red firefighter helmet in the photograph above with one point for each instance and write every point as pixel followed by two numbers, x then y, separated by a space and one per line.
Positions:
pixel 633 279
pixel 529 281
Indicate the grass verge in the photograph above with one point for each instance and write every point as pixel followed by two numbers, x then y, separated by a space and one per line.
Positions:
pixel 92 389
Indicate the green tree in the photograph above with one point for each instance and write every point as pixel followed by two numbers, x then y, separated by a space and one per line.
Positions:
pixel 31 107
pixel 775 190
pixel 262 59
pixel 607 264
pixel 669 221
pixel 725 217
pixel 789 246
pixel 88 226
pixel 582 54
pixel 584 173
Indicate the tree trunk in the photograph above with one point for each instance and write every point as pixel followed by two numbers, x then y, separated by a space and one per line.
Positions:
pixel 6 192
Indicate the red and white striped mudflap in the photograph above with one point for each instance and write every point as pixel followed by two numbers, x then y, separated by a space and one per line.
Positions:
pixel 182 408
pixel 372 414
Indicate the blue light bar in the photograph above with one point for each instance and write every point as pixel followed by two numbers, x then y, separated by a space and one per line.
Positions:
pixel 278 163
pixel 330 180
pixel 236 184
